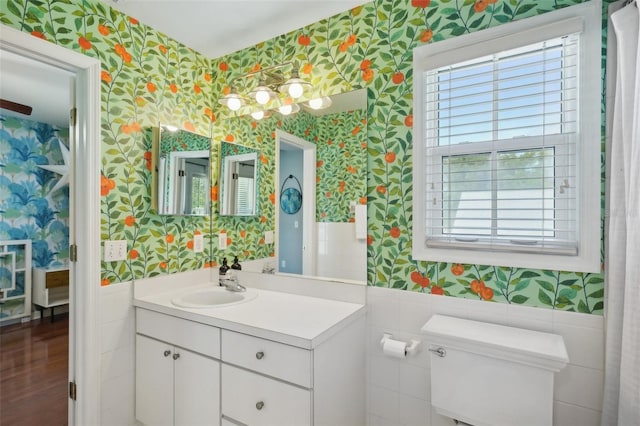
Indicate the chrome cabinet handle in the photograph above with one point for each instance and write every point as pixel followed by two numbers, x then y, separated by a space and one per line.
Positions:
pixel 260 355
pixel 176 356
pixel 259 405
pixel 167 352
pixel 439 351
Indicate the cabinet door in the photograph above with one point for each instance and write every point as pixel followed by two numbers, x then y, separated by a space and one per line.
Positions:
pixel 197 389
pixel 154 382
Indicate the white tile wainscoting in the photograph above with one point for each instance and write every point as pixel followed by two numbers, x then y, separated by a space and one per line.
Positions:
pixel 398 390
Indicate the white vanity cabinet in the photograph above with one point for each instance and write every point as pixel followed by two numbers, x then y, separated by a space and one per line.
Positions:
pixel 269 383
pixel 177 371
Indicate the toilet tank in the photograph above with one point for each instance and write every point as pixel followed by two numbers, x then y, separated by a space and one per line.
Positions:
pixel 492 375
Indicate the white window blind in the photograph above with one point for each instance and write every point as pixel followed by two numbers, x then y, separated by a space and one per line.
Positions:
pixel 500 134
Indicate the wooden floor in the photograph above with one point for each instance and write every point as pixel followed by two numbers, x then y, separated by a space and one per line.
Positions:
pixel 33 372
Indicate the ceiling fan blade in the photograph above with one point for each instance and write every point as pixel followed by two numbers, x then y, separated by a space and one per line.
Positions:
pixel 16 107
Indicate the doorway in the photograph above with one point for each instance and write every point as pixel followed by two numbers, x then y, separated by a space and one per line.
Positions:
pixel 296 234
pixel 84 230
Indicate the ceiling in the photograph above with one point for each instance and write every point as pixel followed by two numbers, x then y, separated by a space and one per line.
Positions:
pixel 211 27
pixel 218 27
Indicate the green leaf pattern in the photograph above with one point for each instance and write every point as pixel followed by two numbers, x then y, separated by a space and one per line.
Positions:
pixel 149 78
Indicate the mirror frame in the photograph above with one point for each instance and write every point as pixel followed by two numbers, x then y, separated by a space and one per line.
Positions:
pixel 159 178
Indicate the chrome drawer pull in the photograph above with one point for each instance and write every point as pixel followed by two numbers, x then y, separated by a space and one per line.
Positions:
pixel 260 355
pixel 439 351
pixel 259 405
pixel 176 356
pixel 167 353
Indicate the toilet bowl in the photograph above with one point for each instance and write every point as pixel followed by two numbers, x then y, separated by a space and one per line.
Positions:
pixel 492 375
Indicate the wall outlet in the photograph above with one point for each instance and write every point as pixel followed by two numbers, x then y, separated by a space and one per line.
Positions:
pixel 268 237
pixel 222 240
pixel 115 250
pixel 198 243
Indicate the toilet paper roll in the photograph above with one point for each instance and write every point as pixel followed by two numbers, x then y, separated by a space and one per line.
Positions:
pixel 394 348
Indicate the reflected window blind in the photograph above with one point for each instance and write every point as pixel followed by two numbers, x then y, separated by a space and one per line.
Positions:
pixel 501 135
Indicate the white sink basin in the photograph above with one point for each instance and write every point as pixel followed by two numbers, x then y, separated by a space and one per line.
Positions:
pixel 212 298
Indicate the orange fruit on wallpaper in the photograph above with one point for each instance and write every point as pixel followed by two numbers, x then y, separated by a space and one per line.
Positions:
pixel 355 131
pixel 105 76
pixel 133 254
pixel 369 240
pixel 426 35
pixel 420 3
pixel 307 68
pixel 486 293
pixel 365 64
pixel 223 66
pixel 38 34
pixel 162 48
pixel 408 120
pixel 229 138
pixel 381 189
pixel 398 77
pixel 197 89
pixel 151 87
pixel 263 219
pixel 84 43
pixel 343 47
pixel 457 269
pixel 173 88
pixel 134 21
pixel 480 5
pixel 104 30
pixel 363 200
pixel 190 244
pixel 129 220
pixel 394 232
pixel 169 238
pixel 367 75
pixel 214 193
pixel 243 233
pixel 390 157
pixel 416 277
pixel 272 198
pixel 189 126
pixel 437 290
pixel 304 40
pixel 226 90
pixel 207 76
pixel 105 281
pixel 256 68
pixel 162 265
pixel 351 40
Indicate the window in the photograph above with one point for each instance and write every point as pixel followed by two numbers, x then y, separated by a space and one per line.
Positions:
pixel 507 147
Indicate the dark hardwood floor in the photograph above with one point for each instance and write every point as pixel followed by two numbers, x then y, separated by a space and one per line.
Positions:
pixel 33 372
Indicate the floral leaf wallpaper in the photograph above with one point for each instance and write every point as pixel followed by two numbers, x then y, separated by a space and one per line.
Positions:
pixel 148 78
pixel 29 207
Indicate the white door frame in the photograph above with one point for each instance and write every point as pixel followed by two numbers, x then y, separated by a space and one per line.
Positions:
pixel 308 199
pixel 84 232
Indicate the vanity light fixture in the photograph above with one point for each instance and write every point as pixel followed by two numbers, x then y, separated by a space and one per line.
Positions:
pixel 271 81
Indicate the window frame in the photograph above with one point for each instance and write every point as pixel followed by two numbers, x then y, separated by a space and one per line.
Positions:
pixel 584 18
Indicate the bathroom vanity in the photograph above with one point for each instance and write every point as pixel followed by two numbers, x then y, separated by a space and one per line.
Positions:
pixel 275 359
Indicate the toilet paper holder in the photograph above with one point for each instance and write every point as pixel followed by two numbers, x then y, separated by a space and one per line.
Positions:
pixel 412 347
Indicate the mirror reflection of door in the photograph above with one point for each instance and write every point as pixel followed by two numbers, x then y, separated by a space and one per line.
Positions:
pixel 239 184
pixel 194 188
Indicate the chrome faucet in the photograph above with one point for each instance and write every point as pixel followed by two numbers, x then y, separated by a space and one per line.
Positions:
pixel 230 282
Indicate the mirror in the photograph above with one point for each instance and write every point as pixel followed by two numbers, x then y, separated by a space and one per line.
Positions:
pixel 326 162
pixel 181 176
pixel 238 180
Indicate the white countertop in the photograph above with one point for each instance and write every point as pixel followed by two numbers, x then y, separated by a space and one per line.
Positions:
pixel 296 320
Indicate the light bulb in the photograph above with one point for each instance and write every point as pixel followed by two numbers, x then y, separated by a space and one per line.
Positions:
pixel 262 96
pixel 295 90
pixel 234 104
pixel 258 115
pixel 171 128
pixel 316 103
pixel 285 109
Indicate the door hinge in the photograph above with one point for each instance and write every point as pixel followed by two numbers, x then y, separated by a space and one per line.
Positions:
pixel 73 253
pixel 72 116
pixel 73 390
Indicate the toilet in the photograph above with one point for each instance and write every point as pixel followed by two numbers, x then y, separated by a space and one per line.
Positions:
pixel 486 374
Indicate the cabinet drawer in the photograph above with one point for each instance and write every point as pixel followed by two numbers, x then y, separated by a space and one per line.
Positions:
pixel 265 356
pixel 57 279
pixel 194 336
pixel 257 400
